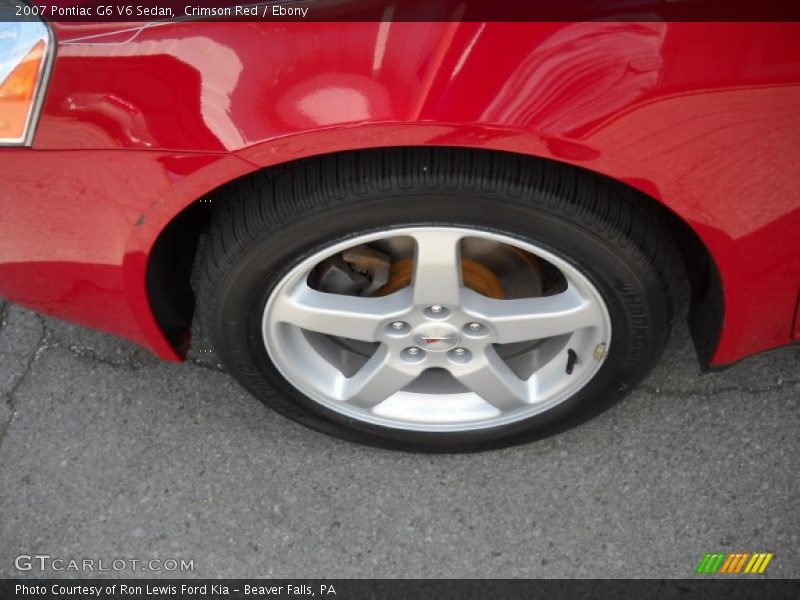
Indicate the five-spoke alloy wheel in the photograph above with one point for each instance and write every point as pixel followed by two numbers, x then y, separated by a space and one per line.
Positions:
pixel 436 300
pixel 439 324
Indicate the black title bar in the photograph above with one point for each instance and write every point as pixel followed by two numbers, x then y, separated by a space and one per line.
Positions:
pixel 400 10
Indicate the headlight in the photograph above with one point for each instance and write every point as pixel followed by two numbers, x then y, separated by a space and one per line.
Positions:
pixel 25 48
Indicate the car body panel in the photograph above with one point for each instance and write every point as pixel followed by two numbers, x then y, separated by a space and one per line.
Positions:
pixel 704 118
pixel 76 233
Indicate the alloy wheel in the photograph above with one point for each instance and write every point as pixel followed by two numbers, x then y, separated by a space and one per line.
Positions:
pixel 447 343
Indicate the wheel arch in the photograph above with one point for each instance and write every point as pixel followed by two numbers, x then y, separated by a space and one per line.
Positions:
pixel 173 253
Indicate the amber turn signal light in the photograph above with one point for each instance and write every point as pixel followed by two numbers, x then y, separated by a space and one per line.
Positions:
pixel 24 51
pixel 17 93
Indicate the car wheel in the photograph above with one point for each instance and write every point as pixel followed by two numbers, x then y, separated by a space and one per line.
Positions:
pixel 436 300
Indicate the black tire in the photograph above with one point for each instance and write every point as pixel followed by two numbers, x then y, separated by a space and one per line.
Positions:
pixel 270 221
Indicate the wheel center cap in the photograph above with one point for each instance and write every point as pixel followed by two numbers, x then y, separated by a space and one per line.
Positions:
pixel 436 337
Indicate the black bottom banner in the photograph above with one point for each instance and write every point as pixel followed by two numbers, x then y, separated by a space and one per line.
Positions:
pixel 387 589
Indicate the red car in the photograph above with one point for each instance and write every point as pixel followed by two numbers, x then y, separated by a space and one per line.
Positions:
pixel 420 235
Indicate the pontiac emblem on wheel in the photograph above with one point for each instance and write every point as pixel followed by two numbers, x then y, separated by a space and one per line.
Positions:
pixel 436 338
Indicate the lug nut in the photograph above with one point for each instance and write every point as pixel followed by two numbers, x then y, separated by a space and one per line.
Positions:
pixel 436 311
pixel 460 355
pixel 412 354
pixel 398 328
pixel 475 329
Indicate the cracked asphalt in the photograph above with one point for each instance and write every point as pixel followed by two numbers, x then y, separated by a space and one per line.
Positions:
pixel 106 452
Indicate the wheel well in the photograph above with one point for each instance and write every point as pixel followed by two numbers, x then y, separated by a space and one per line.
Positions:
pixel 171 281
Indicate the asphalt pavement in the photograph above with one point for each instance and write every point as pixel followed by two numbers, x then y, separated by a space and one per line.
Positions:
pixel 108 453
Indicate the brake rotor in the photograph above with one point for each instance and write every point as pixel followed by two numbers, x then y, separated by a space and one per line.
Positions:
pixel 475 276
pixel 498 271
